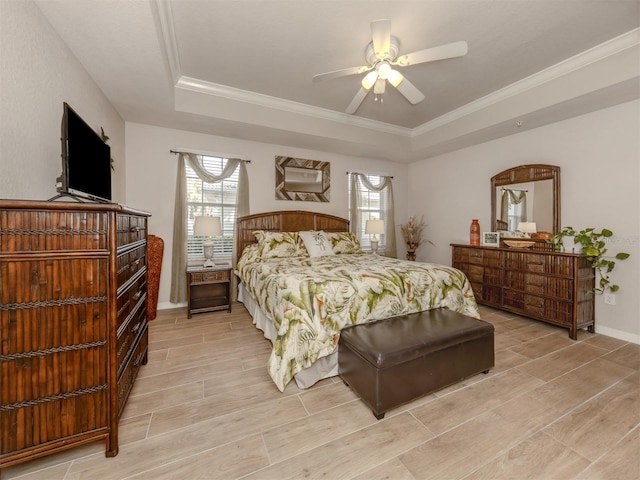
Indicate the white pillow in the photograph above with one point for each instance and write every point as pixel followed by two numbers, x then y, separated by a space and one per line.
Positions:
pixel 316 243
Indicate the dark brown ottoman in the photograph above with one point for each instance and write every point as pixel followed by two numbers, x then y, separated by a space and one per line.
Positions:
pixel 393 361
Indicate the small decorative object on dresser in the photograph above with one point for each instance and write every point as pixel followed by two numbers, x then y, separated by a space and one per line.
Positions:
pixel 491 239
pixel 474 232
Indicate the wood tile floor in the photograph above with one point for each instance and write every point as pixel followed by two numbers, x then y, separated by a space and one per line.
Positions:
pixel 205 408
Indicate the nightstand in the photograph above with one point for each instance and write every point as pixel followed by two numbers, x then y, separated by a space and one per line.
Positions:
pixel 208 289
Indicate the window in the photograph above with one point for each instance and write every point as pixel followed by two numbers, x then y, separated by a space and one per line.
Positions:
pixel 216 199
pixel 371 206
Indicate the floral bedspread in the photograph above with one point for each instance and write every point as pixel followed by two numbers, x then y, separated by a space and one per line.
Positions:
pixel 310 300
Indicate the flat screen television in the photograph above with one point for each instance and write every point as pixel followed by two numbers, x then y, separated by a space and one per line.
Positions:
pixel 86 160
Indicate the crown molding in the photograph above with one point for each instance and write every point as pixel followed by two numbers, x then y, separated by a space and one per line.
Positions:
pixel 266 101
pixel 559 70
pixel 168 35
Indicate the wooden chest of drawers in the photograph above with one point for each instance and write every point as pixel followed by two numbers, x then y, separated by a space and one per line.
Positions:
pixel 554 287
pixel 73 325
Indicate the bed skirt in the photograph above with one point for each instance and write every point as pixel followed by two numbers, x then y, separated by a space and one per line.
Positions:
pixel 324 367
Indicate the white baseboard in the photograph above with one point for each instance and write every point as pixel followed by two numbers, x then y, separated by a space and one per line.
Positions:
pixel 169 305
pixel 612 332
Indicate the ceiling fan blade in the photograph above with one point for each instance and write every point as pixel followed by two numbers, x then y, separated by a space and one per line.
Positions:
pixel 381 36
pixel 450 50
pixel 357 100
pixel 321 77
pixel 410 92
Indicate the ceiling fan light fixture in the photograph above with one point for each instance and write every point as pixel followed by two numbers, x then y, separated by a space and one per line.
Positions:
pixel 369 80
pixel 383 69
pixel 381 55
pixel 395 78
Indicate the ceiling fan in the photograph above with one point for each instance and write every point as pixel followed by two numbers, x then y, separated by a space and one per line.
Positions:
pixel 381 55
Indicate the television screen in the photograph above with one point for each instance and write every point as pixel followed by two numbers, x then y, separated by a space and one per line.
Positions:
pixel 86 159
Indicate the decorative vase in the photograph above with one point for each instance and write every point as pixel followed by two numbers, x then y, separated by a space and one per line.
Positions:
pixel 474 232
pixel 411 256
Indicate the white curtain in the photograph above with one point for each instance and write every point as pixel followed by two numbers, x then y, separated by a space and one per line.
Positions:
pixel 512 216
pixel 359 182
pixel 179 254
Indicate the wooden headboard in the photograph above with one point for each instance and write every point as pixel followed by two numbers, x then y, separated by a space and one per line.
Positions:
pixel 284 221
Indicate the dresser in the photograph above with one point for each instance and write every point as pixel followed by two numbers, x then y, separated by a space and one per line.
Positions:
pixel 553 287
pixel 73 323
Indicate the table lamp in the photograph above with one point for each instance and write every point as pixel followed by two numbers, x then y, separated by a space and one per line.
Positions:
pixel 374 227
pixel 206 226
pixel 527 228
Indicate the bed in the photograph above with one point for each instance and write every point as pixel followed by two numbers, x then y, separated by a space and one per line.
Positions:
pixel 301 295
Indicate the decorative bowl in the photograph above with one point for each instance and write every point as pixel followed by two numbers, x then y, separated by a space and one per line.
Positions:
pixel 542 235
pixel 519 243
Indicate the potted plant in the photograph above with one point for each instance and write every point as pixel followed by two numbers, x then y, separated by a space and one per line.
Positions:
pixel 412 234
pixel 594 247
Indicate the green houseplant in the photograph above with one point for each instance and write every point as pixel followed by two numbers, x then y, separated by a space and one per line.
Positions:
pixel 594 247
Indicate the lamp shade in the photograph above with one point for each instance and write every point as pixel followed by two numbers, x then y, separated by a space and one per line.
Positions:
pixel 527 227
pixel 369 80
pixel 206 226
pixel 374 226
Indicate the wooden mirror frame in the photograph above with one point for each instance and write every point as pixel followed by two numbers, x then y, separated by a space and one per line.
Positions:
pixel 282 193
pixel 523 174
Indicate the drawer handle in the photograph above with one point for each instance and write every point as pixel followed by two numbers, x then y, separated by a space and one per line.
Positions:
pixel 135 229
pixel 138 359
pixel 136 327
pixel 137 295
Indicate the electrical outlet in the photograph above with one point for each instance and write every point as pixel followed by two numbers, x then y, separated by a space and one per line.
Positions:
pixel 609 299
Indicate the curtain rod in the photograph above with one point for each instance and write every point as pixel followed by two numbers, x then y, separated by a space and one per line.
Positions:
pixel 241 159
pixel 514 190
pixel 358 173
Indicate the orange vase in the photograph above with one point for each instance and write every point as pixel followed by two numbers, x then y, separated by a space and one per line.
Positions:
pixel 474 233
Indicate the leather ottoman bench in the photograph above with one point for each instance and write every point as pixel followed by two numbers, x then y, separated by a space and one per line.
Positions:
pixel 393 361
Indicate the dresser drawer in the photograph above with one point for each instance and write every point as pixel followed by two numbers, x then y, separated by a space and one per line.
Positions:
pixel 212 276
pixel 461 254
pixel 52 302
pixel 536 284
pixel 559 312
pixel 131 368
pixel 130 229
pixel 131 296
pixel 41 231
pixel 475 273
pixel 129 333
pixel 131 262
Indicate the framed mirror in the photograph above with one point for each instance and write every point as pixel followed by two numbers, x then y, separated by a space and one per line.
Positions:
pixel 302 179
pixel 527 193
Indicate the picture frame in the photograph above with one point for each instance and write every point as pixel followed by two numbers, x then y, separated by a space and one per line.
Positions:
pixel 491 239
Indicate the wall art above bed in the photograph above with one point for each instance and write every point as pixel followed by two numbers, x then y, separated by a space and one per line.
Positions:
pixel 302 179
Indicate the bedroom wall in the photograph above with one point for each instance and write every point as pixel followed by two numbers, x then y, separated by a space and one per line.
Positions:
pixel 37 74
pixel 599 157
pixel 149 160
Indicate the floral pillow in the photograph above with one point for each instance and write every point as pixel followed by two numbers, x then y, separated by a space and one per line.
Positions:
pixel 278 244
pixel 344 242
pixel 316 243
